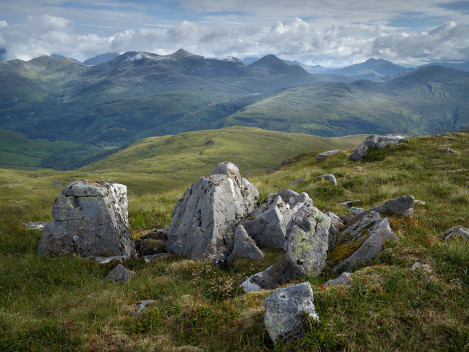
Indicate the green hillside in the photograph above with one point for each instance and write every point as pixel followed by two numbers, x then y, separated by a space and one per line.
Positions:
pixel 61 303
pixel 174 160
pixel 19 152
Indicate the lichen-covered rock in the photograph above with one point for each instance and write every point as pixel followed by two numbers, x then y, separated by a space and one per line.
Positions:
pixel 326 154
pixel 286 309
pixel 330 177
pixel 457 231
pixel 120 274
pixel 205 218
pixel 375 142
pixel 90 219
pixel 269 279
pixel 267 225
pixel 402 206
pixel 244 246
pixel 345 279
pixel 360 242
pixel 307 241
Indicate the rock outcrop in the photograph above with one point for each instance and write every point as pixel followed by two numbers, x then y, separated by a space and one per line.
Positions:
pixel 360 242
pixel 244 246
pixel 287 309
pixel 326 154
pixel 91 220
pixel 402 206
pixel 205 218
pixel 267 225
pixel 375 142
pixel 307 241
pixel 330 177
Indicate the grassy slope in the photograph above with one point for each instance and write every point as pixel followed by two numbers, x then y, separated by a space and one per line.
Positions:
pixel 61 304
pixel 170 161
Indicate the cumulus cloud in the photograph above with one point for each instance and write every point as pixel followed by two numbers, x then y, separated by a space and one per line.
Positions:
pixel 292 38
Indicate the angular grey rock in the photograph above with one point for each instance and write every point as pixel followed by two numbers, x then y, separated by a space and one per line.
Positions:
pixel 375 142
pixel 402 206
pixel 269 279
pixel 356 211
pixel 350 203
pixel 361 241
pixel 285 310
pixel 205 218
pixel 142 306
pixel 244 246
pixel 120 274
pixel 457 231
pixel 326 154
pixel 307 241
pixel 345 279
pixel 150 258
pixel 297 182
pixel 106 260
pixel 90 219
pixel 267 225
pixel 330 177
pixel 336 227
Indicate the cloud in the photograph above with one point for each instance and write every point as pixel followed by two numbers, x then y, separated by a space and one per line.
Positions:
pixel 293 38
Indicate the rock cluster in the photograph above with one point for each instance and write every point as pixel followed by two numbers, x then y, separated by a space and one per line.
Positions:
pixel 375 142
pixel 91 220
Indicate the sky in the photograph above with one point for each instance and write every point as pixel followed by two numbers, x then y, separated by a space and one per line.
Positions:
pixel 328 33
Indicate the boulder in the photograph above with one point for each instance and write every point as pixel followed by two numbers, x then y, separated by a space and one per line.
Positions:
pixel 205 218
pixel 307 241
pixel 375 142
pixel 287 309
pixel 269 279
pixel 267 225
pixel 345 279
pixel 326 154
pixel 360 242
pixel 402 206
pixel 90 219
pixel 244 246
pixel 336 227
pixel 330 177
pixel 457 231
pixel 120 274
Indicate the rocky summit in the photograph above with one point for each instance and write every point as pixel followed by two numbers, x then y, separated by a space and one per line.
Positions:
pixel 91 220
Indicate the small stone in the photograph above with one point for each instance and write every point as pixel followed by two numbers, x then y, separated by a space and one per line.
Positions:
pixel 34 225
pixel 416 265
pixel 326 154
pixel 356 211
pixel 105 260
pixel 142 306
pixel 402 206
pixel 149 258
pixel 120 274
pixel 331 178
pixel 457 231
pixel 449 150
pixel 297 182
pixel 350 203
pixel 345 279
pixel 269 279
pixel 285 311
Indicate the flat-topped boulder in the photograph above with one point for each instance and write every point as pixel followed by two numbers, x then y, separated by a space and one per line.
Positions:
pixel 91 220
pixel 375 142
pixel 326 154
pixel 205 218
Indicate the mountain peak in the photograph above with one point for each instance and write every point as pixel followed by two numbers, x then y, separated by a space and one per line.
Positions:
pixel 274 63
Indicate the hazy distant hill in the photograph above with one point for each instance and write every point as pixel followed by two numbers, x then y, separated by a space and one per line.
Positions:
pixel 99 59
pixel 139 94
pixel 463 66
pixel 370 69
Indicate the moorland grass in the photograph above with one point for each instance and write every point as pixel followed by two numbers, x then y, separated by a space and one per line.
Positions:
pixel 61 304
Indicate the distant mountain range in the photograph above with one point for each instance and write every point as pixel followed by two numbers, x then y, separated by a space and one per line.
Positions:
pixel 139 94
